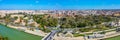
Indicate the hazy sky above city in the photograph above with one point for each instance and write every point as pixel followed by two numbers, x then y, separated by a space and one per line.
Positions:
pixel 59 4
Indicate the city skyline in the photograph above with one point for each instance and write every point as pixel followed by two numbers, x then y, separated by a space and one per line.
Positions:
pixel 58 4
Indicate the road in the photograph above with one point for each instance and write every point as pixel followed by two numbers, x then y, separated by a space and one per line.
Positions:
pixel 51 35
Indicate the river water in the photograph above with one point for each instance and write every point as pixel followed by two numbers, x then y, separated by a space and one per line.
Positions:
pixel 14 34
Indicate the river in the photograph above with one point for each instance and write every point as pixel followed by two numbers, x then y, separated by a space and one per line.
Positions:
pixel 14 34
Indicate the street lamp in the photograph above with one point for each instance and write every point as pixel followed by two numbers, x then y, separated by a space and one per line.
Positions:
pixel 85 36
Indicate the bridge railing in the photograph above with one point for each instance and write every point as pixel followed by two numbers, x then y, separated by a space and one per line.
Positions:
pixel 46 36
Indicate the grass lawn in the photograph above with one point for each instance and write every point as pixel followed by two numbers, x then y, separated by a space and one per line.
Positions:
pixel 77 35
pixel 114 38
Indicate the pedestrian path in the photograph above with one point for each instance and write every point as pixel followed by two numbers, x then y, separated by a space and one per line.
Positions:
pixel 111 34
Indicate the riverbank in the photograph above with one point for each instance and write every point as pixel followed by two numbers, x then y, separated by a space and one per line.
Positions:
pixel 35 32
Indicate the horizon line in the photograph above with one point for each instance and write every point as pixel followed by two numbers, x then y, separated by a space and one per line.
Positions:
pixel 59 9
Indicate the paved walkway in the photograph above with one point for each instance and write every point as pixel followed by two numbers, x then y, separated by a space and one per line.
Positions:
pixel 68 38
pixel 111 34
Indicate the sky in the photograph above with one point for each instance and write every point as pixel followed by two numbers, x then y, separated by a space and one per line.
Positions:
pixel 59 4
